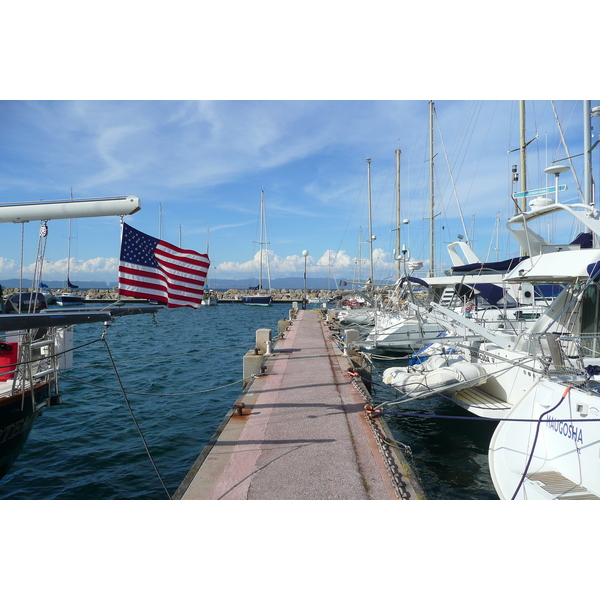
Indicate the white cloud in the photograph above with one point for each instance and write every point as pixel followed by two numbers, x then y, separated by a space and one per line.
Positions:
pixel 87 269
pixel 7 265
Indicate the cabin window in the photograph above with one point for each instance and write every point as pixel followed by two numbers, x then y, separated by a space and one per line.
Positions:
pixel 590 320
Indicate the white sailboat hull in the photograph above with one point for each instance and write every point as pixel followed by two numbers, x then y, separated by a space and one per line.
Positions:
pixel 551 452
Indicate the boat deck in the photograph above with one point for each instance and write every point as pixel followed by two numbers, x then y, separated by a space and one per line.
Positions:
pixel 303 433
pixel 476 399
pixel 558 487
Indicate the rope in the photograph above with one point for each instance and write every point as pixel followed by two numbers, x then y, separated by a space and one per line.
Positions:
pixel 134 419
pixel 468 418
pixel 35 360
pixel 102 387
pixel 537 431
pixel 427 389
pixel 120 362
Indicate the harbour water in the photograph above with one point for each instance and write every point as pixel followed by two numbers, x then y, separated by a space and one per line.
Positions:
pixel 447 444
pixel 180 374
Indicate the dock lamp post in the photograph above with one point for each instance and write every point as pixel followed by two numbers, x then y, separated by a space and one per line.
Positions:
pixel 304 300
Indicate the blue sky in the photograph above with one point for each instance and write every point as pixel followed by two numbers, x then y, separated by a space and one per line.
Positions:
pixel 293 110
pixel 203 164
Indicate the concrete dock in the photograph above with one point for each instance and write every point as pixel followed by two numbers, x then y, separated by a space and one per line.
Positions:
pixel 303 433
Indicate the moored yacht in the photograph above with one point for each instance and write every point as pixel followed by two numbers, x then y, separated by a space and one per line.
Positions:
pixel 35 345
pixel 542 384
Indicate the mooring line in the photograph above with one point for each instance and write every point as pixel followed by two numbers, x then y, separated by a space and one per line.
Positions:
pixel 133 417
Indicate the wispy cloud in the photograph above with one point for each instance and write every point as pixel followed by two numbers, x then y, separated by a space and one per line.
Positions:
pixel 205 163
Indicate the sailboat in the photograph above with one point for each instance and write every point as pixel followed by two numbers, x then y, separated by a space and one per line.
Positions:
pixel 471 287
pixel 404 330
pixel 543 384
pixel 358 308
pixel 260 297
pixel 35 345
pixel 69 298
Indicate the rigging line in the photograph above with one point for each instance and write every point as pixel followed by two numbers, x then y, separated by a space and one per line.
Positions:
pixel 401 413
pixel 537 431
pixel 170 356
pixel 351 214
pixel 452 180
pixel 564 142
pixel 109 389
pixel 425 387
pixel 25 362
pixel 22 260
pixel 134 419
pixel 485 138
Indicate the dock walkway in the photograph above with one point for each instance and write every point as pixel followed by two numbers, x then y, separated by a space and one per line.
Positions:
pixel 303 434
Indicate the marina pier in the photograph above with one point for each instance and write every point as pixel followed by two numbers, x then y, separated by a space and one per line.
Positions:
pixel 300 431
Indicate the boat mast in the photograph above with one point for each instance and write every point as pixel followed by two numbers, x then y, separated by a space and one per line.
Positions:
pixel 260 254
pixel 370 219
pixel 207 254
pixel 431 188
pixel 398 247
pixel 69 247
pixel 523 154
pixel 358 263
pixel 587 145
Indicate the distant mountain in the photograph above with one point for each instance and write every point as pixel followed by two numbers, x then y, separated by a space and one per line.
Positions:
pixel 84 285
pixel 282 283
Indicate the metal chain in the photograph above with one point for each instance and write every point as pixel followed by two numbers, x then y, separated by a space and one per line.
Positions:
pixel 389 458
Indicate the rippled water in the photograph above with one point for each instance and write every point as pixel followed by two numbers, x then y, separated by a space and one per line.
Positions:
pixel 449 447
pixel 89 447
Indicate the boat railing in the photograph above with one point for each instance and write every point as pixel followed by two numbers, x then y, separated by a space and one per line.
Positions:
pixel 36 361
pixel 566 353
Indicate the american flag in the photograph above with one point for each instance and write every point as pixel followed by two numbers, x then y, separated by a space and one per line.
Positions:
pixel 156 270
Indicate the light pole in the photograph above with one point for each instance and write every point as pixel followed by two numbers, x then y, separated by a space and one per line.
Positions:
pixel 304 300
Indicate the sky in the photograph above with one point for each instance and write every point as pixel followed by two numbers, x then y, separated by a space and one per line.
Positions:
pixel 199 168
pixel 198 140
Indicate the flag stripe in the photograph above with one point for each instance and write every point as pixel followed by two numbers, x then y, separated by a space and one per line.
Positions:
pixel 156 270
pixel 133 278
pixel 145 275
pixel 184 256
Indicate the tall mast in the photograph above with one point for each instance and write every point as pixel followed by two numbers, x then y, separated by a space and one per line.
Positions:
pixel 207 254
pixel 523 154
pixel 587 144
pixel 69 247
pixel 398 247
pixel 262 216
pixel 431 195
pixel 370 218
pixel 358 269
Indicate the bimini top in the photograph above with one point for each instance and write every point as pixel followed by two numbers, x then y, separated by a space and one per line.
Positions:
pixel 502 266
